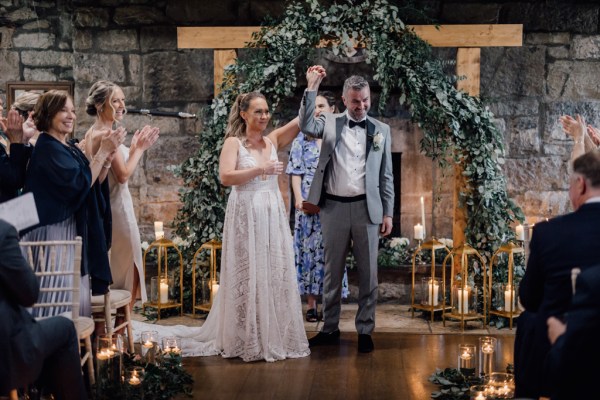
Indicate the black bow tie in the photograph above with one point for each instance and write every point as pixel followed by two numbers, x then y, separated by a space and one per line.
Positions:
pixel 362 124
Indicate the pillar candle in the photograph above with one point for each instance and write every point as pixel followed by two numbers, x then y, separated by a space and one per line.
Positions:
pixel 214 290
pixel 419 232
pixel 433 287
pixel 509 298
pixel 520 233
pixel 463 301
pixel 158 226
pixel 164 291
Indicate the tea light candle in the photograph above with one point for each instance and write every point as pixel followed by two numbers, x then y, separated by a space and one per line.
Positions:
pixel 134 380
pixel 164 291
pixel 148 344
pixel 419 235
pixel 480 396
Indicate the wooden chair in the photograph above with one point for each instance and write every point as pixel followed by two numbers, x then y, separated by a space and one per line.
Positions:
pixel 110 303
pixel 57 264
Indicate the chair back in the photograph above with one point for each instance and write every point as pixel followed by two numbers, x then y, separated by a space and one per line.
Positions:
pixel 57 264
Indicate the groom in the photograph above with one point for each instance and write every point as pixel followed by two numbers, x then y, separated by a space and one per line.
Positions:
pixel 353 185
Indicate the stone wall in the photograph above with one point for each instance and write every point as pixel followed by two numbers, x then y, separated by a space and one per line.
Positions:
pixel 134 44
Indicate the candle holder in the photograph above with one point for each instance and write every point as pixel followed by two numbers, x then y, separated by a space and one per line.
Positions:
pixel 171 348
pixel 465 293
pixel 501 385
pixel 200 265
pixel 433 289
pixel 166 288
pixel 134 378
pixel 109 363
pixel 480 392
pixel 487 355
pixel 506 292
pixel 467 359
pixel 149 346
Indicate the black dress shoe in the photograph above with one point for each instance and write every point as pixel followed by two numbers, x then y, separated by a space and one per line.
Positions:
pixel 323 338
pixel 365 344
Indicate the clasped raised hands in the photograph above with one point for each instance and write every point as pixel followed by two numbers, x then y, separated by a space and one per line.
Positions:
pixel 314 76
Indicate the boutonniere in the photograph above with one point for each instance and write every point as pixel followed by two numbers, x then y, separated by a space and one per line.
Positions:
pixel 377 141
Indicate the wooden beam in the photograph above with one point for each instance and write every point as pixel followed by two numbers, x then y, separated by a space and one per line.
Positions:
pixel 236 37
pixel 222 58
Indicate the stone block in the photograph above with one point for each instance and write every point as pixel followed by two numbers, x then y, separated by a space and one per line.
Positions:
pixel 160 211
pixel 552 16
pixel 547 38
pixel 158 38
pixel 524 136
pixel 39 24
pixel 573 80
pixel 9 65
pixel 134 62
pixel 82 40
pixel 177 76
pixel 553 132
pixel 47 58
pixel 586 47
pixel 515 107
pixel 558 149
pixel 37 40
pixel 536 174
pixel 88 17
pixel 168 126
pixel 539 205
pixel 465 13
pixel 139 15
pixel 168 151
pixel 133 95
pixel 498 66
pixel 39 74
pixel 117 40
pixel 6 34
pixel 90 67
pixel 558 53
pixel 222 12
pixel 21 15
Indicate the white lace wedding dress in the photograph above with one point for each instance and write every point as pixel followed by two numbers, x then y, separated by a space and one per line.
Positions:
pixel 257 314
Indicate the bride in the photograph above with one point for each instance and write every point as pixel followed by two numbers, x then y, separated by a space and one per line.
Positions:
pixel 257 314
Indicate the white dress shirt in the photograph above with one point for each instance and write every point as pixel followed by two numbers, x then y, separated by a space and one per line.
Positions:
pixel 347 169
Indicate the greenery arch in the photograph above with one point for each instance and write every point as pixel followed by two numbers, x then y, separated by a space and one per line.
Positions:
pixel 457 127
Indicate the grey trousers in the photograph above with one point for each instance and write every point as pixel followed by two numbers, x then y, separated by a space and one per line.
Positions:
pixel 344 224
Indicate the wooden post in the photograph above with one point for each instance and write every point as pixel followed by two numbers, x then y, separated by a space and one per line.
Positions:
pixel 468 69
pixel 222 58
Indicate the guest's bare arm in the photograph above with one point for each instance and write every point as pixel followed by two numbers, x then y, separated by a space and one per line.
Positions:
pixel 297 189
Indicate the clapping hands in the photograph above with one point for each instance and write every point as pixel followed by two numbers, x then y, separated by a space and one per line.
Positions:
pixel 111 139
pixel 12 126
pixel 143 139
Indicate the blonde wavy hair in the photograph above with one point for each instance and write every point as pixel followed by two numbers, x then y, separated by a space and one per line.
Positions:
pixel 236 126
pixel 100 95
pixel 25 102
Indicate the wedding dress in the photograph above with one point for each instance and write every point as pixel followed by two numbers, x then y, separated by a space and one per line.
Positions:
pixel 257 313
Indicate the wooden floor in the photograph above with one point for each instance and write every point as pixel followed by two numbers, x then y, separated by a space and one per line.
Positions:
pixel 397 369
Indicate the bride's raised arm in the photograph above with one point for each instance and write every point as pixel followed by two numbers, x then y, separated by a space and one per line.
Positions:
pixel 284 135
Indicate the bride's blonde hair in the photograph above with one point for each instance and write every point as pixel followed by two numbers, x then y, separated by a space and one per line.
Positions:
pixel 236 126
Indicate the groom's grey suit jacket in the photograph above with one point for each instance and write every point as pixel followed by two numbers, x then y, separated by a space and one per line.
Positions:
pixel 379 181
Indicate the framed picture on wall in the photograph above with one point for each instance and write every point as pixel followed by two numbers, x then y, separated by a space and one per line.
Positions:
pixel 14 89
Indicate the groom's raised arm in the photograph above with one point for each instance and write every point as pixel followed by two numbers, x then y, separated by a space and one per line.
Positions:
pixel 308 123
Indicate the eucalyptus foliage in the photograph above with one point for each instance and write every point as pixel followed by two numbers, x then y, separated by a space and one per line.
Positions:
pixel 458 129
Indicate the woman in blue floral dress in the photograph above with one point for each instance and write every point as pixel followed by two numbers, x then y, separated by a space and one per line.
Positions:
pixel 308 239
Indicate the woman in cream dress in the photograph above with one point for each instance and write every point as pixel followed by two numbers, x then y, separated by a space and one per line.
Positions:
pixel 106 102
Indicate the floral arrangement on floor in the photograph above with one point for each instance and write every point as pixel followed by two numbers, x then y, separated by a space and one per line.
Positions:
pixel 393 252
pixel 454 385
pixel 162 381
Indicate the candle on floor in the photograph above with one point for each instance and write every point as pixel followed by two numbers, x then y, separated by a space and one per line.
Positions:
pixel 463 301
pixel 509 298
pixel 433 289
pixel 164 291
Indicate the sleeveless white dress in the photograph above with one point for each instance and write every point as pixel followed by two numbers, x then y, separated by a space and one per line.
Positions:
pixel 126 249
pixel 257 314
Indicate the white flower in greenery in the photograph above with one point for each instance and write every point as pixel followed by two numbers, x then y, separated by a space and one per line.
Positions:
pixel 377 141
pixel 398 242
pixel 447 242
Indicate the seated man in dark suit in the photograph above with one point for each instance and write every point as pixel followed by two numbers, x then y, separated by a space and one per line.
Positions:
pixel 46 351
pixel 575 350
pixel 557 246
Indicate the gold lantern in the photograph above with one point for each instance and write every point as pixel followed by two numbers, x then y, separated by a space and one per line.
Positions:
pixel 463 296
pixel 205 303
pixel 162 286
pixel 508 291
pixel 432 288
